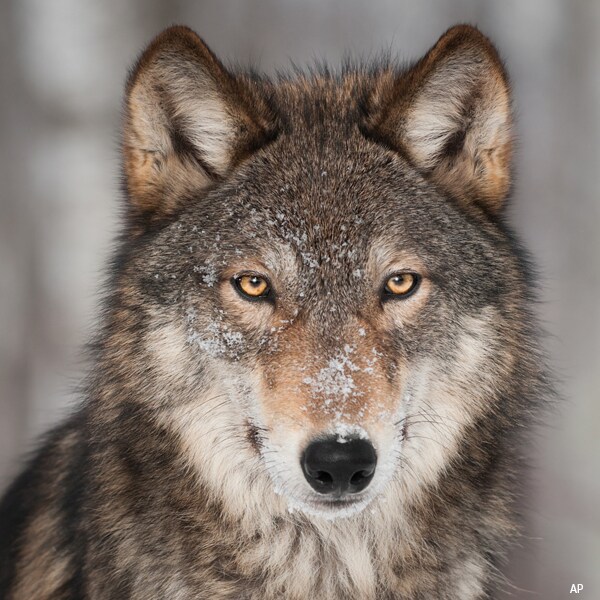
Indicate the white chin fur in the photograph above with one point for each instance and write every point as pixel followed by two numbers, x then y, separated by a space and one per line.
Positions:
pixel 329 511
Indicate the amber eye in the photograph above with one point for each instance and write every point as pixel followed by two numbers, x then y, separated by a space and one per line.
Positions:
pixel 401 285
pixel 252 286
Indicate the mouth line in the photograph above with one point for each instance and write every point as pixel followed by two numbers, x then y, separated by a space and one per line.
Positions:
pixel 337 503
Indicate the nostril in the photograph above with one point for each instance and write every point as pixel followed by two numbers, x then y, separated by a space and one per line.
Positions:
pixel 360 476
pixel 324 477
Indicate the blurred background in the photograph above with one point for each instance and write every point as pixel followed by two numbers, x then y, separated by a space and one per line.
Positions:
pixel 62 68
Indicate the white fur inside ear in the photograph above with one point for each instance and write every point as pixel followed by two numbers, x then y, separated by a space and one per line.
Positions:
pixel 188 104
pixel 428 132
pixel 202 116
pixel 438 112
pixel 457 98
pixel 208 126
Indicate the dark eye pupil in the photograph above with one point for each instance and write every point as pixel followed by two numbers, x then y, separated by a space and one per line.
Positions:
pixel 255 282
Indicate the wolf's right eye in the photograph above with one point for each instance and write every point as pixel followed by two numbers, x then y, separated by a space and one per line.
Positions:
pixel 251 286
pixel 401 285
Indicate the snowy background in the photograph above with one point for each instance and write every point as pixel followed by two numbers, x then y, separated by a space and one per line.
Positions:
pixel 62 68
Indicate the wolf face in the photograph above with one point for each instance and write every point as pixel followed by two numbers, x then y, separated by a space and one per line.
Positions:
pixel 328 298
pixel 318 353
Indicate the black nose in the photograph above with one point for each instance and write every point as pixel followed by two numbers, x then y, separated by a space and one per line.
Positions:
pixel 339 468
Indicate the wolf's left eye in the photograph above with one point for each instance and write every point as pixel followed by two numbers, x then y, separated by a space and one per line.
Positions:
pixel 401 285
pixel 252 286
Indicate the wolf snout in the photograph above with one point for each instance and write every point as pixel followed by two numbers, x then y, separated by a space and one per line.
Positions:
pixel 339 468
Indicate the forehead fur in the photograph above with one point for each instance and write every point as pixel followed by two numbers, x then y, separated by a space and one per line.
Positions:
pixel 322 176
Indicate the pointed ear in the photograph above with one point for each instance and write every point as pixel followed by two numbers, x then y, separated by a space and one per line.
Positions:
pixel 188 122
pixel 451 116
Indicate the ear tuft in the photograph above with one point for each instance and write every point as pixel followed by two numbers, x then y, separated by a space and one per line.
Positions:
pixel 188 122
pixel 451 116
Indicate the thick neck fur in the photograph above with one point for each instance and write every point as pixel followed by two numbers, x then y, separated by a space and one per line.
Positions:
pixel 256 549
pixel 202 488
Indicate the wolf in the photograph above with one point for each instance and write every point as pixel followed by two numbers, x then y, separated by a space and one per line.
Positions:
pixel 318 360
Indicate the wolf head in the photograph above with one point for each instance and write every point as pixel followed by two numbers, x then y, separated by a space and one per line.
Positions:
pixel 317 293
